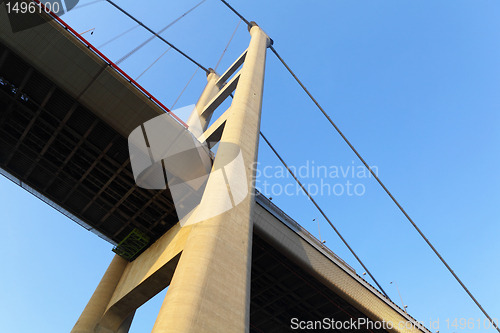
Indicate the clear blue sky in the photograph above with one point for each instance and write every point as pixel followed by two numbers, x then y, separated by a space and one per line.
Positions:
pixel 413 84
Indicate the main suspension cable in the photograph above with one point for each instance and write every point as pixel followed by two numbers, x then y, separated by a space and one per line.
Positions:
pixel 140 46
pixel 374 175
pixel 237 14
pixel 322 212
pixel 158 36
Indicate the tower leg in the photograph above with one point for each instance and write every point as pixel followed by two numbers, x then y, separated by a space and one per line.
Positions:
pixel 125 326
pixel 97 304
pixel 210 289
pixel 197 122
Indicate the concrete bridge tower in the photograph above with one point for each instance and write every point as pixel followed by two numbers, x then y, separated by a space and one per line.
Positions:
pixel 206 264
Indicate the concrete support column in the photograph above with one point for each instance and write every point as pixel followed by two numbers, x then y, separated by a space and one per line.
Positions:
pixel 210 289
pixel 125 326
pixel 197 122
pixel 97 304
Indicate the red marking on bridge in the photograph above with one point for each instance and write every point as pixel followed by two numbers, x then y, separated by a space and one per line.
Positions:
pixel 112 64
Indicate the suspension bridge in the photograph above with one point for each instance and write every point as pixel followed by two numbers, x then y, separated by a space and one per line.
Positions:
pixel 67 112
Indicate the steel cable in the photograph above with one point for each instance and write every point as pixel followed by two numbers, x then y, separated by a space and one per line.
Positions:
pixel 184 88
pixel 322 212
pixel 116 37
pixel 158 36
pixel 154 62
pixel 140 46
pixel 230 39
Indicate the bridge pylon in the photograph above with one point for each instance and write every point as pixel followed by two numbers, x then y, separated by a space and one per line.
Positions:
pixel 205 263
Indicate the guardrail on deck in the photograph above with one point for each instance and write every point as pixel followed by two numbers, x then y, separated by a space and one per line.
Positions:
pixel 301 230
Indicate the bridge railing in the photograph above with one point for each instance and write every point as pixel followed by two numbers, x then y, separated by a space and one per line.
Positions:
pixel 109 62
pixel 298 228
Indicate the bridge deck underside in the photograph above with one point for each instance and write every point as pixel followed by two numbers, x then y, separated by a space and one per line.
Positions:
pixel 281 290
pixel 63 151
